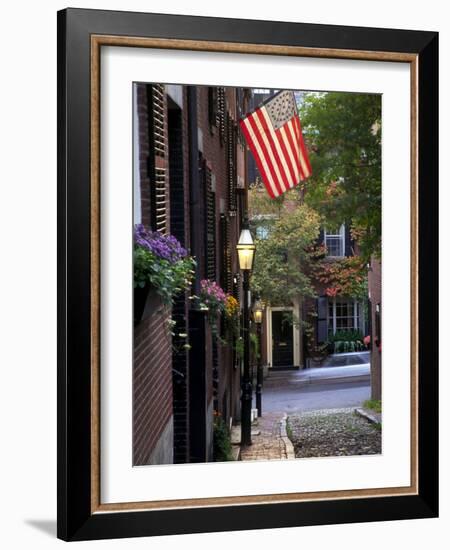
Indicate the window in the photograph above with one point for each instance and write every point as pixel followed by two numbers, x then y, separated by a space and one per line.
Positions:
pixel 335 242
pixel 262 232
pixel 344 314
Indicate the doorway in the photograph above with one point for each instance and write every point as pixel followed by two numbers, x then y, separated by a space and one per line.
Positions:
pixel 282 339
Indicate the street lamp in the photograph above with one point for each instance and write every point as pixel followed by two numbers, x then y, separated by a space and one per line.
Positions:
pixel 246 251
pixel 258 312
pixel 258 317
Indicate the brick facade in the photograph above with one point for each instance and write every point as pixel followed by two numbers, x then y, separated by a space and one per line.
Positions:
pixel 226 390
pixel 152 383
pixel 152 359
pixel 188 189
pixel 376 346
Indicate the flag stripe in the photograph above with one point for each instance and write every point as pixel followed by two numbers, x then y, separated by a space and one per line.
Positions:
pixel 290 152
pixel 274 136
pixel 304 152
pixel 294 145
pixel 302 149
pixel 275 146
pixel 270 173
pixel 258 119
pixel 289 159
pixel 259 158
pixel 265 153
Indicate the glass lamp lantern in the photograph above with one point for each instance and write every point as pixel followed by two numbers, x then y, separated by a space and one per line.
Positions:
pixel 258 312
pixel 246 250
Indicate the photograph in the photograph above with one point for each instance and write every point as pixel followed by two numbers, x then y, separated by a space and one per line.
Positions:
pixel 257 268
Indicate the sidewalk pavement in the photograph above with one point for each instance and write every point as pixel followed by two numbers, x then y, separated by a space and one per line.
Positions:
pixel 269 439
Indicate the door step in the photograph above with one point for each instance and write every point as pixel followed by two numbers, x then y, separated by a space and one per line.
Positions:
pixel 283 368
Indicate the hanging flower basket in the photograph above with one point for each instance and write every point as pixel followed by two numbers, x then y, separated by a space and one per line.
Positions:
pixel 162 265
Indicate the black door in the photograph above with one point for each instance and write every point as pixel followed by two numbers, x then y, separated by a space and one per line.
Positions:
pixel 282 339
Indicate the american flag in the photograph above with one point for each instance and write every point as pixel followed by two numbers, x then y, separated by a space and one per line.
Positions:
pixel 274 135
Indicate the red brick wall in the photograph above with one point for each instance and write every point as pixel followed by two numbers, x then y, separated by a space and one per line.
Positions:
pixel 152 382
pixel 152 362
pixel 375 355
pixel 158 400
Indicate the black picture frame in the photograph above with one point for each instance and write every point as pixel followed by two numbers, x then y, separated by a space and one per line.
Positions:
pixel 76 521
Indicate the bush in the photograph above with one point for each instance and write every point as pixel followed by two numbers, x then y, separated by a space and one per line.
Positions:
pixel 221 440
pixel 344 341
pixel 347 336
pixel 373 404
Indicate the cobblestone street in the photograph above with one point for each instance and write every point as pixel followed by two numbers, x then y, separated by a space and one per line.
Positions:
pixel 333 432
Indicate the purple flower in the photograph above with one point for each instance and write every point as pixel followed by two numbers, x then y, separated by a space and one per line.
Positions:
pixel 166 247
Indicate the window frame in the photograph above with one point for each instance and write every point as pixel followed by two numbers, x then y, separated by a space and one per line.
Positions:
pixel 357 314
pixel 341 235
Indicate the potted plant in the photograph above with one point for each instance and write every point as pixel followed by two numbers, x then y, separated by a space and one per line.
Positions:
pixel 212 298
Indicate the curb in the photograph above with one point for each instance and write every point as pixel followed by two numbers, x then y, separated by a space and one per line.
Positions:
pixel 289 447
pixel 334 379
pixel 236 451
pixel 364 414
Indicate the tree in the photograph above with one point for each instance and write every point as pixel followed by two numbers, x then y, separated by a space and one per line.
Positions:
pixel 343 135
pixel 280 274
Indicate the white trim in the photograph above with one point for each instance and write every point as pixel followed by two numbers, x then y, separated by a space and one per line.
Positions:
pixel 176 93
pixel 358 323
pixel 341 235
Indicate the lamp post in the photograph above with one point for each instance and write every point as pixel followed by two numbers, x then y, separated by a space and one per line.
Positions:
pixel 258 317
pixel 246 251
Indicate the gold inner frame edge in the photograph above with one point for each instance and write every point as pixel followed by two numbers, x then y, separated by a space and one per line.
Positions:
pixel 97 41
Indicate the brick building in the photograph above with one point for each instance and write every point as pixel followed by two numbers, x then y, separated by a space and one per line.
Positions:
pixel 375 324
pixel 285 343
pixel 190 182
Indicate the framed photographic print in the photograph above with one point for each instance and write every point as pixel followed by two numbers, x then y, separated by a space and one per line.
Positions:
pixel 247 274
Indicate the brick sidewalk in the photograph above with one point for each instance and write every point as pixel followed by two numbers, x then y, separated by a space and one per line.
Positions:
pixel 269 441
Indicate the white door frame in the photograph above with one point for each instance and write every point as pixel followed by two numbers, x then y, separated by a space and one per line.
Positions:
pixel 295 339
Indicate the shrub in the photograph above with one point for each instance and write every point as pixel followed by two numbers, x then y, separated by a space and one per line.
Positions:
pixel 221 440
pixel 344 341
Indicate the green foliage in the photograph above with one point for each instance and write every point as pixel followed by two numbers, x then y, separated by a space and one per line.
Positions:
pixel 221 440
pixel 166 277
pixel 254 345
pixel 239 347
pixel 345 341
pixel 342 277
pixel 289 431
pixel 280 272
pixel 260 204
pixel 373 404
pixel 347 336
pixel 343 134
pixel 347 346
